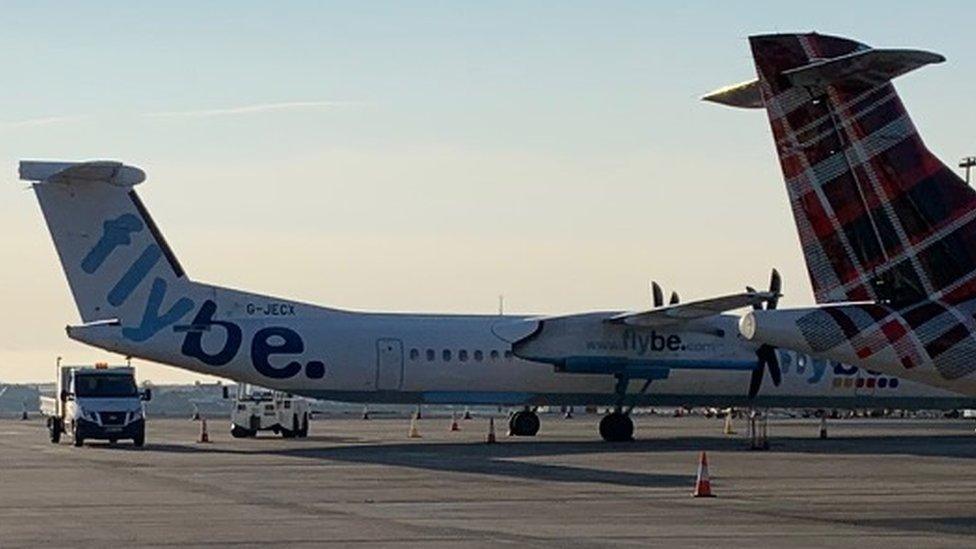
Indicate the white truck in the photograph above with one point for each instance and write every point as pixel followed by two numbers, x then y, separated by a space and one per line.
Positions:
pixel 259 409
pixel 99 402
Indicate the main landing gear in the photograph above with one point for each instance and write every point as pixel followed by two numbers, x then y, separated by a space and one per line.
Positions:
pixel 617 425
pixel 524 423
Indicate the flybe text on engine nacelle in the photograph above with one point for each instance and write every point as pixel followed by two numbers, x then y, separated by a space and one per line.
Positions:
pixel 590 343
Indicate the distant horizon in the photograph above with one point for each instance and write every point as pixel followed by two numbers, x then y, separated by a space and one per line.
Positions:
pixel 429 157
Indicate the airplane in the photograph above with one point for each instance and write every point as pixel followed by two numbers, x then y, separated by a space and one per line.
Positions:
pixel 135 298
pixel 888 231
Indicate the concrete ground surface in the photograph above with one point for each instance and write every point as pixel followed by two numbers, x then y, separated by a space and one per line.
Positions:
pixel 874 483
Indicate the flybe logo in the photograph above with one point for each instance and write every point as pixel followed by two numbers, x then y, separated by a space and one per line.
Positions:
pixel 639 343
pixel 118 232
pixel 266 343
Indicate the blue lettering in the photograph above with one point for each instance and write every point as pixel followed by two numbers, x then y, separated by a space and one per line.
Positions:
pixel 115 233
pixel 152 321
pixel 136 273
pixel 193 342
pixel 262 349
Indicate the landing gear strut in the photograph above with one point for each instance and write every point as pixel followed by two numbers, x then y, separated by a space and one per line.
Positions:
pixel 524 423
pixel 617 425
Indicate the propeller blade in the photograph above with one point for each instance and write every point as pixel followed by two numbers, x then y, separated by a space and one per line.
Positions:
pixel 755 306
pixel 772 364
pixel 756 381
pixel 674 298
pixel 657 294
pixel 775 285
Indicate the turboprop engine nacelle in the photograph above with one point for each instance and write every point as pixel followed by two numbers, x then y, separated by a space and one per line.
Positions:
pixel 593 343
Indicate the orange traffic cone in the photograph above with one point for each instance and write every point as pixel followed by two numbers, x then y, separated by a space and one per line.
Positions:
pixel 414 427
pixel 491 431
pixel 703 486
pixel 454 422
pixel 204 434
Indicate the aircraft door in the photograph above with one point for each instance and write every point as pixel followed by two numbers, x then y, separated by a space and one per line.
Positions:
pixel 389 364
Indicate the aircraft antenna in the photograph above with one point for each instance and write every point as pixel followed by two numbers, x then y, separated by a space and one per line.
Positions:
pixel 967 164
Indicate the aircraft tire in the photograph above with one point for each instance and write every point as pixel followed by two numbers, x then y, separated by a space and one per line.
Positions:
pixel 524 423
pixel 617 427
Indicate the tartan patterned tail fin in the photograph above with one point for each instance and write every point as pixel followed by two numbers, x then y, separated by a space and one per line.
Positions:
pixel 880 218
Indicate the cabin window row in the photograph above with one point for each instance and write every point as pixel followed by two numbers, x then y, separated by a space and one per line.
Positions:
pixel 462 355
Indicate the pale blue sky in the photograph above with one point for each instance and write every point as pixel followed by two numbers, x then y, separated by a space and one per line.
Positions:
pixel 429 156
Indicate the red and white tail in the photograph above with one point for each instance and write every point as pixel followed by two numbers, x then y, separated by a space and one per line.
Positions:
pixel 880 218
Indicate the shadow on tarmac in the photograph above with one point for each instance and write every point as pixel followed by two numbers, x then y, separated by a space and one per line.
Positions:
pixel 500 459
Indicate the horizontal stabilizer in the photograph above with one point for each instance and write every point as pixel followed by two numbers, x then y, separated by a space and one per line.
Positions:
pixel 114 173
pixel 744 95
pixel 675 314
pixel 868 68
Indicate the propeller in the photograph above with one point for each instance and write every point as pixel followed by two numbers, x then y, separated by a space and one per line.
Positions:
pixel 657 296
pixel 766 358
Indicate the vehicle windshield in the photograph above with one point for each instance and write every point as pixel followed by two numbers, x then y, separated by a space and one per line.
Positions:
pixel 105 385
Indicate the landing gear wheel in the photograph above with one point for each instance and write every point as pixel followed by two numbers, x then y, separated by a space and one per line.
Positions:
pixel 239 432
pixel 79 440
pixel 617 427
pixel 524 423
pixel 303 431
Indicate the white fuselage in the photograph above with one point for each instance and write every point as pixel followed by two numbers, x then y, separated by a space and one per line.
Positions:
pixel 371 357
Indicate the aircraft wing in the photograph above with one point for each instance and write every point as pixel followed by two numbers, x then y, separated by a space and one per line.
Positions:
pixel 684 312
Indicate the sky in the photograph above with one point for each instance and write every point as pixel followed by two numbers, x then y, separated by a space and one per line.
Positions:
pixel 429 156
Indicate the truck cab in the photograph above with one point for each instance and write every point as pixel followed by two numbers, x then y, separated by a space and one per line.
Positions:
pixel 260 409
pixel 96 403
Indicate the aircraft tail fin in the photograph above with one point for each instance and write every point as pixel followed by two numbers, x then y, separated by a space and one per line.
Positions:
pixel 112 253
pixel 879 216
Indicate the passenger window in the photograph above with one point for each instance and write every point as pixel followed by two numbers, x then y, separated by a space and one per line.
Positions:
pixel 447 355
pixel 478 355
pixel 414 354
pixel 494 355
pixel 463 355
pixel 430 355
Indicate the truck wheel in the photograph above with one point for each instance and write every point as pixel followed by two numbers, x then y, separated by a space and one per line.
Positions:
pixel 293 432
pixel 239 432
pixel 54 430
pixel 79 440
pixel 140 439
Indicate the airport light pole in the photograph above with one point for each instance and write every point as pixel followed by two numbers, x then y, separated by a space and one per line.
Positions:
pixel 967 164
